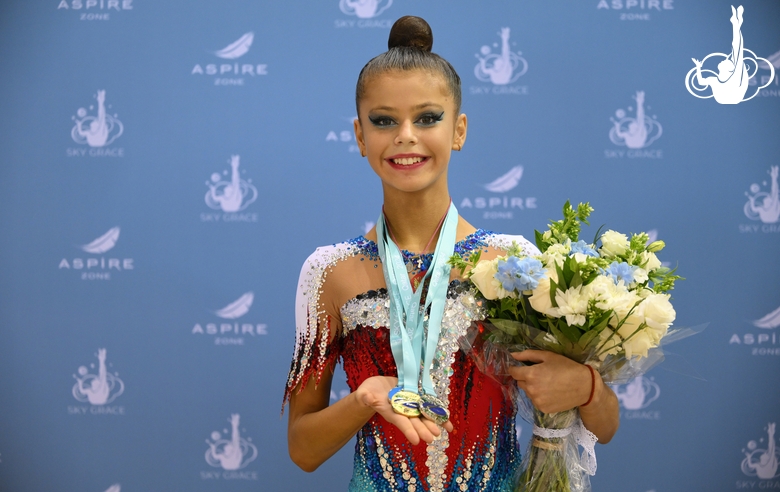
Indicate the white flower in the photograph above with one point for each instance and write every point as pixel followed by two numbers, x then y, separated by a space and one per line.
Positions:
pixel 601 290
pixel 580 258
pixel 540 300
pixel 649 261
pixel 613 243
pixel 658 313
pixel 572 304
pixel 483 276
pixel 609 343
pixel 640 275
pixel 639 344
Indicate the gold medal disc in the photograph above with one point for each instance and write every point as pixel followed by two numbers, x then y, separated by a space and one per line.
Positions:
pixel 405 402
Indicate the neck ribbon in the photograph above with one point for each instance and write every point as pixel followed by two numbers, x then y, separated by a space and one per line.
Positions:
pixel 409 340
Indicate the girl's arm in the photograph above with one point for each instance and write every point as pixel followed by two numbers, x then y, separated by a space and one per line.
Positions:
pixel 316 431
pixel 555 383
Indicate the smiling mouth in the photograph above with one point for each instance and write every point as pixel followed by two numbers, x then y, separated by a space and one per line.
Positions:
pixel 407 161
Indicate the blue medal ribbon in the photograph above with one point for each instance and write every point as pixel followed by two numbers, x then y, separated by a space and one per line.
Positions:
pixel 407 319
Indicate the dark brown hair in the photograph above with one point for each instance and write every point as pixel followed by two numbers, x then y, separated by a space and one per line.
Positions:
pixel 409 48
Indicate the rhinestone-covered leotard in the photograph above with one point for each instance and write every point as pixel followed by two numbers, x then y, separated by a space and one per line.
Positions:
pixel 350 324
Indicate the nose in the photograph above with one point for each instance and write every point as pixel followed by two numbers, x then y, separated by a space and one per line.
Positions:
pixel 406 133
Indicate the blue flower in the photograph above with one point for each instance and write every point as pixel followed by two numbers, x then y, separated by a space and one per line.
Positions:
pixel 519 274
pixel 582 247
pixel 621 271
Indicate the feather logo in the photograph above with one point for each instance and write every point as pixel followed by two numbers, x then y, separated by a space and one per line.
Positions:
pixel 103 243
pixel 774 59
pixel 507 181
pixel 237 308
pixel 771 320
pixel 237 48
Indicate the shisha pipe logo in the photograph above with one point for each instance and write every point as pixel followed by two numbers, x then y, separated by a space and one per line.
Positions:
pixel 230 196
pixel 364 9
pixel 761 205
pixel 638 393
pixel 502 68
pixel 98 389
pixel 730 83
pixel 637 132
pixel 232 453
pixel 98 130
pixel 762 462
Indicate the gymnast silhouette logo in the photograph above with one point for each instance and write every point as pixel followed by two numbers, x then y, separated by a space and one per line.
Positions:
pixel 237 308
pixel 96 130
pixel 762 462
pixel 729 85
pixel 762 205
pixel 228 449
pixel 231 195
pixel 770 321
pixel 97 389
pixel 635 132
pixel 500 68
pixel 639 393
pixel 364 9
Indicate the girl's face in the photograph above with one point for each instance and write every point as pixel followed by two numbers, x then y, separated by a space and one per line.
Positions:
pixel 407 126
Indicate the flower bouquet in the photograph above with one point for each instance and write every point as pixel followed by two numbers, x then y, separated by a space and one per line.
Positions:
pixel 604 304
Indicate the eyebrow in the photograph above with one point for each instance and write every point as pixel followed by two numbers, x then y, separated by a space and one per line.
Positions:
pixel 415 108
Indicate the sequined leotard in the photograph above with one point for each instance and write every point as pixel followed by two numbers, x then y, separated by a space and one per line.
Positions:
pixel 342 311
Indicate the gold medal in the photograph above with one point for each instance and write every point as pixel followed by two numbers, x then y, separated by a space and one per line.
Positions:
pixel 434 409
pixel 405 402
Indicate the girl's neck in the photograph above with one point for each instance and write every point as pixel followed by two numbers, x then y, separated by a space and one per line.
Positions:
pixel 413 218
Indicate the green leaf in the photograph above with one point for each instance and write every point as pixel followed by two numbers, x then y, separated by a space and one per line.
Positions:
pixel 571 332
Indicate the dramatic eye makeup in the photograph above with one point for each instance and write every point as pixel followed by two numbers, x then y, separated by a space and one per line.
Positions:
pixel 430 118
pixel 381 121
pixel 426 119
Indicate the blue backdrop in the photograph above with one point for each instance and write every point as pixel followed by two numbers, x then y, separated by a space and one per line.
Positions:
pixel 168 165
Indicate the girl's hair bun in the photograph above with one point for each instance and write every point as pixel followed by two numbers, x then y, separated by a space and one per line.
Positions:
pixel 412 32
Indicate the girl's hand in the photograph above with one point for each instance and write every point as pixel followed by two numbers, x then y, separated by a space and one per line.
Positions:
pixel 554 383
pixel 373 393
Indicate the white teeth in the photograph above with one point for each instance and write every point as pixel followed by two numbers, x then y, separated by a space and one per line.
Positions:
pixel 408 161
